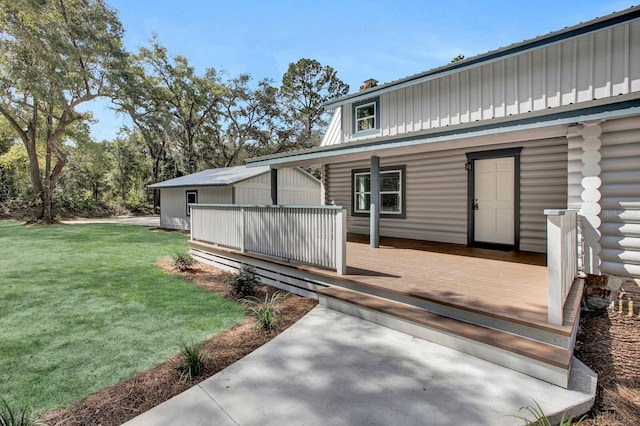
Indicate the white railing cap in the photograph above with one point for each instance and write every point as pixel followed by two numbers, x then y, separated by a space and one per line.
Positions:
pixel 559 212
pixel 263 206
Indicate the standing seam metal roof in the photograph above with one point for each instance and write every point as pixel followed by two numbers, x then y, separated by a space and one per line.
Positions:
pixel 213 177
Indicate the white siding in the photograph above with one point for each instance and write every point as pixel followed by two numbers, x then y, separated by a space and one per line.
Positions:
pixel 256 190
pixel 436 192
pixel 173 202
pixel 294 188
pixel 620 216
pixel 598 65
pixel 332 135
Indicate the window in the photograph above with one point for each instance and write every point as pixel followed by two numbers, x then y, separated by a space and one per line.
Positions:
pixel 391 192
pixel 365 117
pixel 192 198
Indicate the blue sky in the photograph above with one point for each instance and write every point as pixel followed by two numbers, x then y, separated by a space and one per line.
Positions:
pixel 385 40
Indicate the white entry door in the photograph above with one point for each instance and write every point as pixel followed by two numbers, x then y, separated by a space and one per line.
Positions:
pixel 494 206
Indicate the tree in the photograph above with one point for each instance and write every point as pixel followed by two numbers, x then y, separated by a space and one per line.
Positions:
pixel 54 56
pixel 143 96
pixel 85 179
pixel 129 171
pixel 244 123
pixel 190 100
pixel 306 86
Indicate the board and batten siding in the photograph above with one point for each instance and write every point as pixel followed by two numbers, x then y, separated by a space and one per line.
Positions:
pixel 173 203
pixel 436 192
pixel 598 65
pixel 294 188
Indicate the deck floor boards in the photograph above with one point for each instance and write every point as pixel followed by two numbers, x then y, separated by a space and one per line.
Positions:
pixel 507 283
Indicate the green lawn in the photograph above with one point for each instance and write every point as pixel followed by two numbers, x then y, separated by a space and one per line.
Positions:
pixel 84 306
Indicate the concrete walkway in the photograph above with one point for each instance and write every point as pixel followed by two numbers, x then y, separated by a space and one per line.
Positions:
pixel 334 369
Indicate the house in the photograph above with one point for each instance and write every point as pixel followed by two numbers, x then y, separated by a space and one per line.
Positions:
pixel 481 187
pixel 473 152
pixel 233 185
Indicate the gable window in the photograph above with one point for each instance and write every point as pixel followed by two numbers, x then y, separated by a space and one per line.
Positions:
pixel 366 117
pixel 192 198
pixel 392 192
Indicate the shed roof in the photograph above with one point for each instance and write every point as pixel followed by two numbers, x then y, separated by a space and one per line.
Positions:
pixel 213 177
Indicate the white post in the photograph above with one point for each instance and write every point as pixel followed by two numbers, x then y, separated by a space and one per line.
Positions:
pixel 562 266
pixel 243 231
pixel 554 269
pixel 341 242
pixel 191 225
pixel 374 207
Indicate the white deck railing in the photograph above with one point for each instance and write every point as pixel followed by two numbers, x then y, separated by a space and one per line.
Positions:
pixel 562 259
pixel 312 235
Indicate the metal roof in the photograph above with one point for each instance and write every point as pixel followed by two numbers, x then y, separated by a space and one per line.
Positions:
pixel 613 19
pixel 213 177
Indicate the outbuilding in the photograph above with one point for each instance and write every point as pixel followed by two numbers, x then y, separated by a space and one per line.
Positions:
pixel 233 185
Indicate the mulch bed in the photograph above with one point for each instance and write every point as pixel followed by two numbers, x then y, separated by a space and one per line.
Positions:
pixel 608 342
pixel 125 400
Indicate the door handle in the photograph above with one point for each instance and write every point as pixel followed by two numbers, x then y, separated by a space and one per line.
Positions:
pixel 475 206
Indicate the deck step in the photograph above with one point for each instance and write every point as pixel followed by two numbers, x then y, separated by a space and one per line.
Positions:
pixel 563 336
pixel 538 359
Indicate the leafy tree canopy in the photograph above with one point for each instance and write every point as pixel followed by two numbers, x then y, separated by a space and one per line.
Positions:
pixel 306 86
pixel 54 56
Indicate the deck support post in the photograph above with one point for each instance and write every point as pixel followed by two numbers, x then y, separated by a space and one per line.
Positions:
pixel 274 187
pixel 374 207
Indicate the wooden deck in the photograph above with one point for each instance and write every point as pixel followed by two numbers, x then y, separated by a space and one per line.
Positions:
pixel 510 284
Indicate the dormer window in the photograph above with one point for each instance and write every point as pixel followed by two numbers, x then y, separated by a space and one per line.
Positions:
pixel 366 116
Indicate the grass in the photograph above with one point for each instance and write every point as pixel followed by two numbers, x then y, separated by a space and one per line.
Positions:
pixel 84 306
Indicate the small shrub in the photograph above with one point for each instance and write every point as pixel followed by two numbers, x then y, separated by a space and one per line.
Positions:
pixel 541 419
pixel 244 282
pixel 18 418
pixel 193 360
pixel 183 261
pixel 266 311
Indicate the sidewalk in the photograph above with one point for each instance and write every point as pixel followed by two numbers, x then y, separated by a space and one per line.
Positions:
pixel 334 369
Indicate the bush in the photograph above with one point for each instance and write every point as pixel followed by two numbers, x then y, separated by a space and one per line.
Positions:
pixel 244 282
pixel 266 311
pixel 192 361
pixel 183 261
pixel 10 418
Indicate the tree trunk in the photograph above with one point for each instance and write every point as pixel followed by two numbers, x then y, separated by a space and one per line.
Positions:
pixel 46 194
pixel 34 166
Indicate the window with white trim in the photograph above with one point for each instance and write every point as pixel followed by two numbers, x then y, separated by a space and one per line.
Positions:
pixel 366 117
pixel 391 192
pixel 192 198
